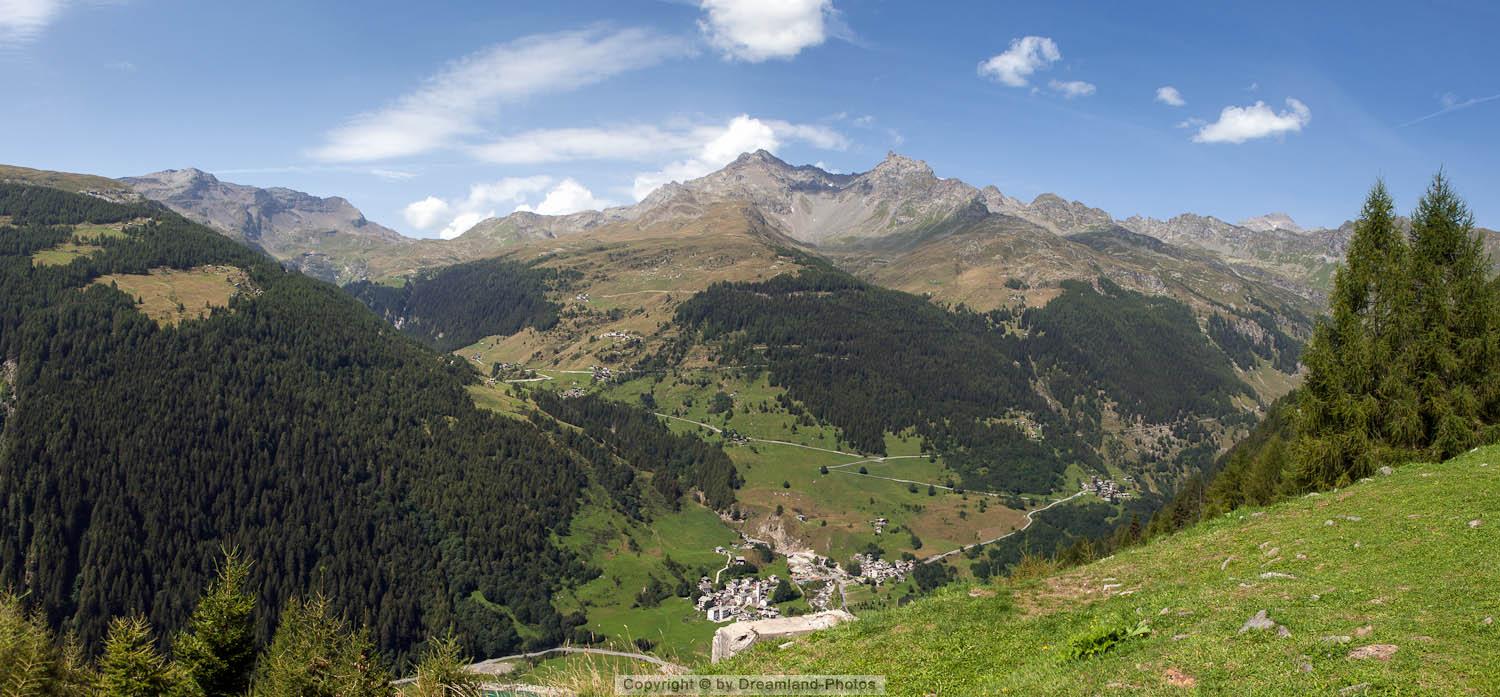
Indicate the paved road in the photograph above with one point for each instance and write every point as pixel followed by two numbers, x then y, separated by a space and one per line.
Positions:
pixel 1030 518
pixel 639 292
pixel 716 429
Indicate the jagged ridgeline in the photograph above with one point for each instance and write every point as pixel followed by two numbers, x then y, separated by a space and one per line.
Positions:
pixel 1009 401
pixel 150 422
pixel 454 306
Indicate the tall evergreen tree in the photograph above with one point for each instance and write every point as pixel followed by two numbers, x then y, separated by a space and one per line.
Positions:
pixel 1453 312
pixel 1405 366
pixel 217 649
pixel 315 654
pixel 1340 413
pixel 132 667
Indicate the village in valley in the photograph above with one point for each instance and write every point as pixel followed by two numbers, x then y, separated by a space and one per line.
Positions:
pixel 820 580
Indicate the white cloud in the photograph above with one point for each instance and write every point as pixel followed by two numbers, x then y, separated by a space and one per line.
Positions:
pixel 816 136
pixel 451 218
pixel 638 143
pixel 1072 88
pixel 567 197
pixel 1025 56
pixel 568 144
pixel 456 216
pixel 1169 96
pixel 452 104
pixel 426 213
pixel 387 174
pixel 759 30
pixel 24 20
pixel 1239 124
pixel 462 222
pixel 392 175
pixel 718 147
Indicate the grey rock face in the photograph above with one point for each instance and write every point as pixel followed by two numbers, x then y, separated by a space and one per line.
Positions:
pixel 287 224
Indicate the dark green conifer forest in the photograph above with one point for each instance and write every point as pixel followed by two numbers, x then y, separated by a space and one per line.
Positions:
pixel 341 458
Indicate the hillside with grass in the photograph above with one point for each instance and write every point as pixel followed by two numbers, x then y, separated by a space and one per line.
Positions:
pixel 1383 587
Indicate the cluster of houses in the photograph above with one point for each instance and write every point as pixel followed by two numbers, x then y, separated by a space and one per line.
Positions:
pixel 822 597
pixel 1107 489
pixel 879 524
pixel 880 570
pixel 601 373
pixel 626 337
pixel 741 599
pixel 582 297
pixel 571 393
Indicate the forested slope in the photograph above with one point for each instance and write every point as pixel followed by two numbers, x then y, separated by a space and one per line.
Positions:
pixel 872 361
pixel 338 456
pixel 454 306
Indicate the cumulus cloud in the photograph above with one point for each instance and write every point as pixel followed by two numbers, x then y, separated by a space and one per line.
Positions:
pixel 1025 56
pixel 426 213
pixel 24 20
pixel 759 30
pixel 743 133
pixel 462 222
pixel 452 104
pixel 1072 88
pixel 453 217
pixel 1239 124
pixel 567 197
pixel 1169 96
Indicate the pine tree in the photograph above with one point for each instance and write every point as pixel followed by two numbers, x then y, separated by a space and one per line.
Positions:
pixel 132 667
pixel 315 654
pixel 217 649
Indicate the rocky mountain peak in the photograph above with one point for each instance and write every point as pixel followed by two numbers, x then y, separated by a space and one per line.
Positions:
pixel 897 166
pixel 759 157
pixel 291 225
pixel 1063 216
pixel 1271 221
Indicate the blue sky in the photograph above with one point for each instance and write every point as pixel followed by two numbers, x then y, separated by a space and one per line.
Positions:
pixel 430 115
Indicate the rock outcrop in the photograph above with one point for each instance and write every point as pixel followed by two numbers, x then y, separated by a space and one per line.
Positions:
pixel 317 235
pixel 737 637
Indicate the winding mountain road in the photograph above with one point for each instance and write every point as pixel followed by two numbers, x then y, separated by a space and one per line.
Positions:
pixel 1030 518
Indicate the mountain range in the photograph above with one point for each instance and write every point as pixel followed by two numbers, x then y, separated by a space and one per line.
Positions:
pixel 888 213
pixel 818 345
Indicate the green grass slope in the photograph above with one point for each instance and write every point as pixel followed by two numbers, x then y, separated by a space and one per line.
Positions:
pixel 1407 563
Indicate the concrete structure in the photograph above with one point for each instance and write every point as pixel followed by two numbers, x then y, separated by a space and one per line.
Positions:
pixel 739 636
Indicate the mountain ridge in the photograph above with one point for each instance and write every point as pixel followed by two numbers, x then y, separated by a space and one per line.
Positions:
pixel 308 232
